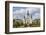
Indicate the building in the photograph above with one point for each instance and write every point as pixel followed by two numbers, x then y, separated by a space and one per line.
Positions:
pixel 28 19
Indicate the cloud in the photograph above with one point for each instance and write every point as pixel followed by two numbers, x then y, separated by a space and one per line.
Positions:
pixel 21 12
pixel 32 9
pixel 36 16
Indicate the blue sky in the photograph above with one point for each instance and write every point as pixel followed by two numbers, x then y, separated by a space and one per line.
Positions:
pixel 19 12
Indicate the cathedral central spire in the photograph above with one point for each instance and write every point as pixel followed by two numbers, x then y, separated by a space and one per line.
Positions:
pixel 27 12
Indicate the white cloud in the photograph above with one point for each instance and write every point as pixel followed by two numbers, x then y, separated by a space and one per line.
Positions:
pixel 31 9
pixel 36 16
pixel 23 11
pixel 19 11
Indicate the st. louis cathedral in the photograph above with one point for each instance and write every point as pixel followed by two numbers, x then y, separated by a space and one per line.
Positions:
pixel 27 20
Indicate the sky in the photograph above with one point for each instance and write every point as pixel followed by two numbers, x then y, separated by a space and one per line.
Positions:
pixel 20 12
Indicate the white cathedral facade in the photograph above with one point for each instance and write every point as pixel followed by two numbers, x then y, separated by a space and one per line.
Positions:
pixel 28 18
